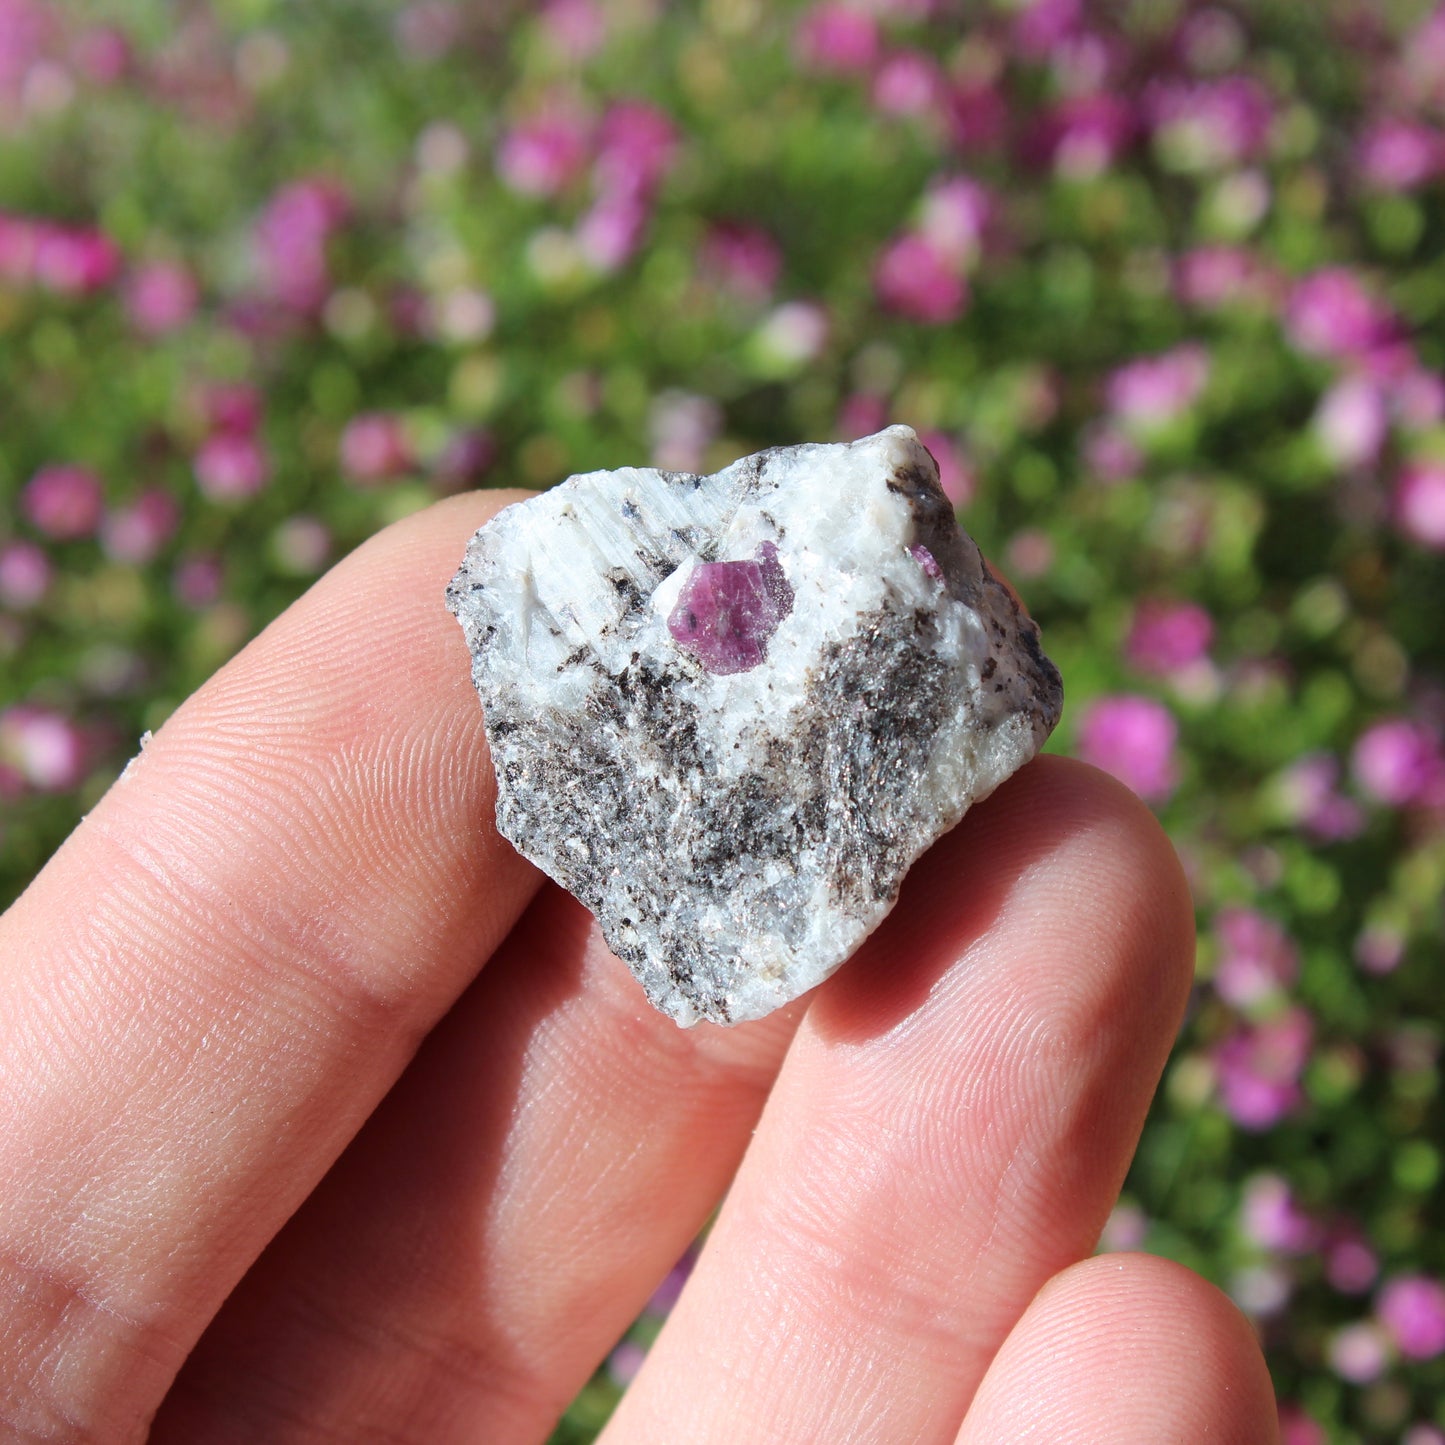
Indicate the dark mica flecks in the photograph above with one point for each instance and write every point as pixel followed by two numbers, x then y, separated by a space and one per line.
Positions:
pixel 728 712
pixel 728 610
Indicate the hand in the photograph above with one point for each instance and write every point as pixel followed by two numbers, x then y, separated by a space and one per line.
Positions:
pixel 243 991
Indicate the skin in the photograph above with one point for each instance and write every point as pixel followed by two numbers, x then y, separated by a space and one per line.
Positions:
pixel 281 1160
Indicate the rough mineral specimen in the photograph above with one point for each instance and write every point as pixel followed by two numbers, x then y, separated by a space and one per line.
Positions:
pixel 729 712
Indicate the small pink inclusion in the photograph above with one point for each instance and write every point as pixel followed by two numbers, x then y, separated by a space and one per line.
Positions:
pixel 729 610
pixel 926 560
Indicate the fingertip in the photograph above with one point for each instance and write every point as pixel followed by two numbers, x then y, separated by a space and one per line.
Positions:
pixel 1129 1348
pixel 1131 858
pixel 1071 848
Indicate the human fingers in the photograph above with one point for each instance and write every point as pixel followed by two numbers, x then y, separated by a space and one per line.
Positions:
pixel 1129 1350
pixel 502 1218
pixel 948 1131
pixel 221 972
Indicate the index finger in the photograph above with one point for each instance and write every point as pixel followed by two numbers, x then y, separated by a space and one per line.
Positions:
pixel 949 1130
pixel 224 969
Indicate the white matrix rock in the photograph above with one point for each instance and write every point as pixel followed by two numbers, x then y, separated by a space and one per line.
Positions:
pixel 729 712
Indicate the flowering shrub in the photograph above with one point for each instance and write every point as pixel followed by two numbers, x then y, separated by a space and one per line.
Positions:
pixel 1161 286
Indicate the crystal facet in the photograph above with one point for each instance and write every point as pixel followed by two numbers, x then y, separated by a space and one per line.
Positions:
pixel 729 712
pixel 728 610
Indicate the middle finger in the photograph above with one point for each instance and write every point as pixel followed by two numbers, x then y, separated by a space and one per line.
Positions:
pixel 949 1130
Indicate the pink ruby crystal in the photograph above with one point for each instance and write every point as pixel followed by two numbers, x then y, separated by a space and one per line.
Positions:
pixel 926 560
pixel 729 610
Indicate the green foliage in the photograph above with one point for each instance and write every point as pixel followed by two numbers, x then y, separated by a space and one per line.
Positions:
pixel 419 284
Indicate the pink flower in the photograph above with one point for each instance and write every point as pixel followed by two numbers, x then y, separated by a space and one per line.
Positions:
pixel 408 310
pixel 101 54
pixel 904 11
pixel 374 448
pixel 794 333
pixel 74 260
pixel 137 532
pixel 25 575
pixel 1359 1353
pixel 26 30
pixel 1030 553
pixel 683 426
pixel 1212 276
pixel 1153 391
pixel 1167 637
pixel 466 457
pixel 743 259
pixel 908 83
pixel 463 315
pixel 913 279
pixel 543 156
pixel 48 750
pixel 1412 1310
pixel 427 29
pixel 302 545
pixel 953 219
pixel 635 148
pixel 575 29
pixel 17 249
pixel 666 1295
pixel 837 37
pixel 1257 1069
pixel 1270 1217
pixel 197 581
pixel 1398 762
pixel 1423 53
pixel 1399 155
pixel 63 502
pixel 1411 1049
pixel 291 237
pixel 1041 26
pixel 1389 362
pixel 1352 422
pixel 1210 40
pixel 1419 504
pixel 1242 200
pixel 955 475
pixel 1308 790
pixel 1257 959
pixel 862 414
pixel 625 1361
pixel 1296 1428
pixel 1262 1290
pixel 610 233
pixel 160 297
pixel 231 467
pixel 1083 135
pixel 1111 456
pixel 1330 313
pixel 1418 398
pixel 231 407
pixel 1126 1229
pixel 1210 124
pixel 1379 949
pixel 1350 1263
pixel 1088 63
pixel 1133 738
pixel 978 115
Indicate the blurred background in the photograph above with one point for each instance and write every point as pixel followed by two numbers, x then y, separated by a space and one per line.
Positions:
pixel 1161 284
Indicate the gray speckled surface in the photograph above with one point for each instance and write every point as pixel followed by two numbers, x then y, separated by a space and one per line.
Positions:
pixel 739 833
